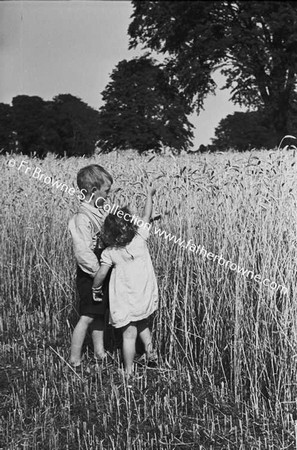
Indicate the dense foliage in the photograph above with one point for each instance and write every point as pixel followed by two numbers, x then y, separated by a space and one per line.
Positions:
pixel 65 125
pixel 243 131
pixel 253 43
pixel 142 109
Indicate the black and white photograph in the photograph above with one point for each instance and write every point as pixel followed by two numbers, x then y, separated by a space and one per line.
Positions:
pixel 148 253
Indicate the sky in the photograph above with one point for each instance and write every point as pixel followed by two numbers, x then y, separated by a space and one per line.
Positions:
pixel 59 47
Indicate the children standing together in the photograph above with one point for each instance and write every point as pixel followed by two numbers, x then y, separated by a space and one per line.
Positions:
pixel 114 270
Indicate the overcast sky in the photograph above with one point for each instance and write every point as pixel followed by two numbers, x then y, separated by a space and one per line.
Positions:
pixel 57 47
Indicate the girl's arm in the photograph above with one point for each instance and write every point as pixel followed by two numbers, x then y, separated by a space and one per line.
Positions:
pixel 100 276
pixel 148 205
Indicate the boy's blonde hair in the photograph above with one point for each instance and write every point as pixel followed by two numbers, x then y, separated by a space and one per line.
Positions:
pixel 92 176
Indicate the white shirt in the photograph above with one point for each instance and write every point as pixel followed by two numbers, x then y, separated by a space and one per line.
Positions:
pixel 85 227
pixel 133 290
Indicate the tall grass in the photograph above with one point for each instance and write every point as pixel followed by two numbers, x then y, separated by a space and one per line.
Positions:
pixel 227 343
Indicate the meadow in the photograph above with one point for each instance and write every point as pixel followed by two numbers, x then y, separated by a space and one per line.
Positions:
pixel 227 344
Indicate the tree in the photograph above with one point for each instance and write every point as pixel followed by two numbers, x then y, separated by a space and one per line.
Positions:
pixel 142 109
pixel 76 123
pixel 28 123
pixel 243 131
pixel 65 125
pixel 6 128
pixel 253 43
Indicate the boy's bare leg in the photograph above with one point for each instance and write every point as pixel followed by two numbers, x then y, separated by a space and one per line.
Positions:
pixel 78 337
pixel 98 337
pixel 129 340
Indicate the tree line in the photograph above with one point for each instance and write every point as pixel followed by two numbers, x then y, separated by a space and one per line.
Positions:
pixel 65 126
pixel 68 126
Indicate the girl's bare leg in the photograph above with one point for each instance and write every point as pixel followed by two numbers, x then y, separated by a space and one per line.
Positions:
pixel 129 340
pixel 146 337
pixel 78 337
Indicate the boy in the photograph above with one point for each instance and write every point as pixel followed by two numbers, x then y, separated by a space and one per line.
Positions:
pixel 94 183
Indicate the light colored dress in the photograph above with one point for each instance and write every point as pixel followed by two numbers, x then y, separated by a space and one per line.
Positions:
pixel 133 290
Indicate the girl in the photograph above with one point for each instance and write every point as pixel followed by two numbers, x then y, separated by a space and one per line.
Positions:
pixel 133 291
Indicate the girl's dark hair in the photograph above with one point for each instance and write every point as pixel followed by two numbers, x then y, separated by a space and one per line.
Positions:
pixel 118 231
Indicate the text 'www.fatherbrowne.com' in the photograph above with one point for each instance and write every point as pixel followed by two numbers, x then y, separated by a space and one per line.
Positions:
pixel 201 251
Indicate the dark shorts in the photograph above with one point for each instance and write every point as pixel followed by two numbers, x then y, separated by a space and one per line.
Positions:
pixel 87 305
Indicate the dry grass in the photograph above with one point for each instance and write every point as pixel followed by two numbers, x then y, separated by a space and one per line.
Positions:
pixel 228 344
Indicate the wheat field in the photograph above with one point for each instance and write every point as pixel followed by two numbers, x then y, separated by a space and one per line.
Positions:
pixel 227 344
